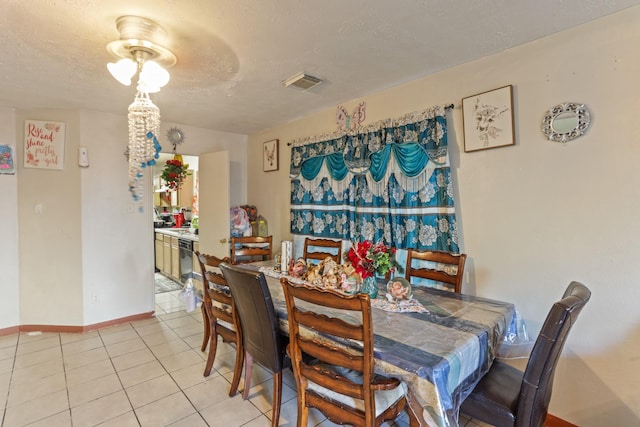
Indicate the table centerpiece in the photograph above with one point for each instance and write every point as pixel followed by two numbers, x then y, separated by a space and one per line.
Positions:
pixel 370 259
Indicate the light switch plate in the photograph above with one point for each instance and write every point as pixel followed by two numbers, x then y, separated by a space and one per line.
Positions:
pixel 83 157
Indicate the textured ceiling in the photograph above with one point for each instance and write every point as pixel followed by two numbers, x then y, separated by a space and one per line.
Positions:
pixel 233 54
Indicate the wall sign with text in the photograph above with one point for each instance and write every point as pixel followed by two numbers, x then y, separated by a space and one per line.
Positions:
pixel 43 144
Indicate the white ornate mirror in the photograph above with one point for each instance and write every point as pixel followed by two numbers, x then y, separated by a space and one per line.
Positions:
pixel 565 122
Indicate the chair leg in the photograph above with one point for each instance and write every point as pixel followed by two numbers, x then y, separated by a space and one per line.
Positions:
pixel 277 398
pixel 413 409
pixel 248 361
pixel 237 371
pixel 213 347
pixel 303 411
pixel 207 326
pixel 413 420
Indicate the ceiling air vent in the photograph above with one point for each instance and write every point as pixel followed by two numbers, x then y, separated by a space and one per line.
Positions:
pixel 302 81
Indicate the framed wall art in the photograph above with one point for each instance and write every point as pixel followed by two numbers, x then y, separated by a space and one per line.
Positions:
pixel 43 144
pixel 488 119
pixel 270 155
pixel 7 160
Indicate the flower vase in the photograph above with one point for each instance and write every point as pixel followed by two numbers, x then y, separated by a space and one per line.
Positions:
pixel 370 286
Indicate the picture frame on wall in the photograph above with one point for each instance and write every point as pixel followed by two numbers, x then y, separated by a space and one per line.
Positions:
pixel 44 144
pixel 7 160
pixel 488 119
pixel 270 155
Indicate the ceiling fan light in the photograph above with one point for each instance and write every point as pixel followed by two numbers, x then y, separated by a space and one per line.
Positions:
pixel 123 70
pixel 153 75
pixel 148 88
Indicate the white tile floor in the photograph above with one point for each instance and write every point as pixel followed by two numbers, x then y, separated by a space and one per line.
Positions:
pixel 143 373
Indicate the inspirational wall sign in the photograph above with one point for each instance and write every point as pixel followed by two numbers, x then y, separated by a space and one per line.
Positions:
pixel 43 144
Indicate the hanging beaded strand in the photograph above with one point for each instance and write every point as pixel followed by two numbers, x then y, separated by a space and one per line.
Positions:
pixel 144 148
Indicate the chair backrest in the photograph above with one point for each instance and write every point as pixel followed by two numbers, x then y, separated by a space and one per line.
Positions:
pixel 250 249
pixel 537 384
pixel 311 318
pixel 443 267
pixel 261 330
pixel 218 290
pixel 329 248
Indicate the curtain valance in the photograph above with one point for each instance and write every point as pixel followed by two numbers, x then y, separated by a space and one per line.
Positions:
pixel 414 140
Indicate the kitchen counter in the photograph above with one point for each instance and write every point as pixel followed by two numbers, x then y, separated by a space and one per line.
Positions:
pixel 182 233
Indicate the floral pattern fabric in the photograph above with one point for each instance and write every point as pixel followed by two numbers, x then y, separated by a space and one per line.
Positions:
pixel 385 184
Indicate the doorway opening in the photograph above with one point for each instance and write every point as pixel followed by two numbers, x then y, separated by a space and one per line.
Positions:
pixel 173 221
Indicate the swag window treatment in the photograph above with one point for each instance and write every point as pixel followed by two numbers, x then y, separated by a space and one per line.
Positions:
pixel 389 181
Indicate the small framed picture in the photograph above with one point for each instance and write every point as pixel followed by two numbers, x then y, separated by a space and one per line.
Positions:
pixel 7 160
pixel 488 119
pixel 270 155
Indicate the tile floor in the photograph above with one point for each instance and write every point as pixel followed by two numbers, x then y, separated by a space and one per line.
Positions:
pixel 143 373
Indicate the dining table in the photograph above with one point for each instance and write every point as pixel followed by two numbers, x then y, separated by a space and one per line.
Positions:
pixel 440 345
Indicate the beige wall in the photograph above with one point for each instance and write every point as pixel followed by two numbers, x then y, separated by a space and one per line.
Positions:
pixel 199 141
pixel 9 276
pixel 539 214
pixel 50 230
pixel 75 250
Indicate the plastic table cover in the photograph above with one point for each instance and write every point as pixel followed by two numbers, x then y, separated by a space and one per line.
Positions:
pixel 441 354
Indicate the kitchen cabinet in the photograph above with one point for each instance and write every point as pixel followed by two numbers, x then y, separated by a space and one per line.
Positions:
pixel 159 251
pixel 166 251
pixel 185 193
pixel 165 199
pixel 182 197
pixel 175 259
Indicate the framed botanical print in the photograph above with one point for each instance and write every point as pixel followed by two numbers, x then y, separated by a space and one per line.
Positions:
pixel 270 155
pixel 488 119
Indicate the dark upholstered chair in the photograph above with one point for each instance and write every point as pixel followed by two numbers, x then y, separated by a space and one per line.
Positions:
pixel 220 317
pixel 340 382
pixel 505 396
pixel 443 267
pixel 251 249
pixel 316 250
pixel 261 337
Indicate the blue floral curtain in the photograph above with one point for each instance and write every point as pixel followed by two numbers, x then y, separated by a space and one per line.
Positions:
pixel 389 182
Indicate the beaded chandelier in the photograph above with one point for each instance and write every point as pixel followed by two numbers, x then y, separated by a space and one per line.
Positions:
pixel 140 50
pixel 144 148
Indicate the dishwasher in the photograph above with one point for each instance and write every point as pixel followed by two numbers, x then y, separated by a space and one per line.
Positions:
pixel 186 259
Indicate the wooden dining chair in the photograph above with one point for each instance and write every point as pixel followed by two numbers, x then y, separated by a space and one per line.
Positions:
pixel 250 249
pixel 316 250
pixel 207 262
pixel 340 383
pixel 220 317
pixel 506 396
pixel 443 267
pixel 261 338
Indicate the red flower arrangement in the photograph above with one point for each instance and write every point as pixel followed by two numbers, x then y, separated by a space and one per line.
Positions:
pixel 369 259
pixel 174 173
